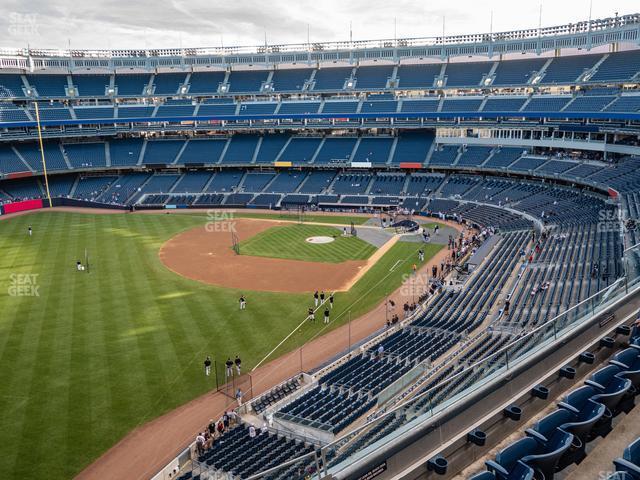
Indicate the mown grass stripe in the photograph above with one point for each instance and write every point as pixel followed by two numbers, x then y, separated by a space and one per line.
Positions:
pixel 126 340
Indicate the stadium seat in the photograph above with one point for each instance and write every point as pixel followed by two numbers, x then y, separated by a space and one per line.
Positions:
pixel 546 462
pixel 508 460
pixel 630 461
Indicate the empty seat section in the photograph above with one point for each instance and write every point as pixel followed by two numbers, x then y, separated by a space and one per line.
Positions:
pixel 91 85
pixel 546 104
pixel 620 66
pixel 168 83
pixel 247 81
pixel 48 85
pixel 373 77
pixel 133 84
pixel 331 78
pixel 125 152
pixel 225 181
pixel 241 149
pixel 498 104
pixel 340 107
pixel 336 150
pixel 374 150
pixel 30 152
pixel 162 151
pixel 461 105
pixel 205 82
pixel 270 147
pixel 300 150
pixel 568 69
pixel 444 155
pixel 11 86
pixel 298 108
pixel 413 147
pixel 86 155
pixel 417 76
pixel 290 79
pixel 418 106
pixel 517 72
pixel 466 74
pixel 201 151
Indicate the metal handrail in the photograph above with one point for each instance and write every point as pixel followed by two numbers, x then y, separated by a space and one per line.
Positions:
pixel 470 368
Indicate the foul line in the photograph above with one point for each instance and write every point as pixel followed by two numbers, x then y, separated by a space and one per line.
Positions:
pixel 289 336
pixel 343 313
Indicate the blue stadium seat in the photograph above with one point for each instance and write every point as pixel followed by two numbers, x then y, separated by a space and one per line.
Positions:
pixel 630 461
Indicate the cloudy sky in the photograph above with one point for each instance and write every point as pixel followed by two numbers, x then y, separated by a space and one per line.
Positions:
pixel 101 24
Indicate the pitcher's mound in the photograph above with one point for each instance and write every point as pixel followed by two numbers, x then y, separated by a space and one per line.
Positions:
pixel 320 240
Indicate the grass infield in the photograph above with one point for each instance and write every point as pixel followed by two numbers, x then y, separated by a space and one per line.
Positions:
pixel 86 357
pixel 290 242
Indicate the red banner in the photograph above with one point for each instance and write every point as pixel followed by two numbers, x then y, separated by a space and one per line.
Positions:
pixel 414 165
pixel 22 206
pixel 19 174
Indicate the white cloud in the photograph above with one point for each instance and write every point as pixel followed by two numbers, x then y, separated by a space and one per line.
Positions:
pixel 195 23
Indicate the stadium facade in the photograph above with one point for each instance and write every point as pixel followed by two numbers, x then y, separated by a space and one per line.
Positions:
pixel 525 131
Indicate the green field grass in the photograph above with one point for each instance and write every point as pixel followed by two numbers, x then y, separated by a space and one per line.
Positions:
pixel 290 242
pixel 95 354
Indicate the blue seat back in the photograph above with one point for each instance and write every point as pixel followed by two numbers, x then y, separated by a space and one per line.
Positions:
pixel 509 456
pixel 579 397
pixel 548 425
pixel 632 452
pixel 605 375
pixel 628 357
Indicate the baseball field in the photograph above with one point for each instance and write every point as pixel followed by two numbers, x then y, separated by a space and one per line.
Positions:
pixel 86 356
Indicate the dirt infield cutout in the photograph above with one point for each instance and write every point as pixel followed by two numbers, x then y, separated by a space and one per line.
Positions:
pixel 206 256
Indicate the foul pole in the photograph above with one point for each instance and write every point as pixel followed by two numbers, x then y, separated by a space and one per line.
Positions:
pixel 44 162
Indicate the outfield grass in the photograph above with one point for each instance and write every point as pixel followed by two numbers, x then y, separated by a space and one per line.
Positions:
pixel 94 355
pixel 290 242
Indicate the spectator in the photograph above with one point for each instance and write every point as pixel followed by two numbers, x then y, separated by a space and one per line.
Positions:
pixel 252 431
pixel 264 429
pixel 212 427
pixel 225 420
pixel 200 440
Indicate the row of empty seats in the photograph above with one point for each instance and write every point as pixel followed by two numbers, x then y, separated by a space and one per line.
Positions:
pixel 614 67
